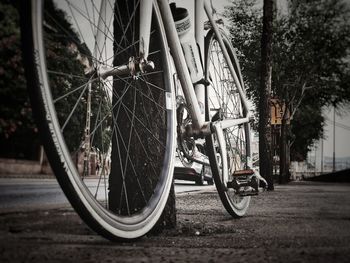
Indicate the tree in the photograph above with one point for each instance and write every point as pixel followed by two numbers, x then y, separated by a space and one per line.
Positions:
pixel 246 26
pixel 128 194
pixel 18 133
pixel 251 31
pixel 311 59
pixel 307 116
pixel 72 55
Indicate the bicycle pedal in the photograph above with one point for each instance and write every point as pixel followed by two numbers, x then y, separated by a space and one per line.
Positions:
pixel 240 178
pixel 246 172
pixel 218 116
pixel 245 182
pixel 243 189
pixel 250 192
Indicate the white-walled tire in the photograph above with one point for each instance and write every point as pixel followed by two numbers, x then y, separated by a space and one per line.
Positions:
pixel 132 150
pixel 222 95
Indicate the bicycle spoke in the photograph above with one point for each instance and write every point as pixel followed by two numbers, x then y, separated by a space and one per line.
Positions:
pixel 143 125
pixel 114 136
pixel 224 97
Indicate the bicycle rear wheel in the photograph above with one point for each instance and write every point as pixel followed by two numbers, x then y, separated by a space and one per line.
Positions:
pixel 224 102
pixel 110 140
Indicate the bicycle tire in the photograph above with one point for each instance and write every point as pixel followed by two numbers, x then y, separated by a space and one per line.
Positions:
pixel 125 199
pixel 221 95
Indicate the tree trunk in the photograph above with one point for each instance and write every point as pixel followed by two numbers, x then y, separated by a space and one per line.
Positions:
pixel 265 153
pixel 283 153
pixel 168 217
pixel 131 185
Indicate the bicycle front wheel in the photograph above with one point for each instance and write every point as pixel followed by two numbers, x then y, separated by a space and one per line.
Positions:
pixel 223 101
pixel 110 139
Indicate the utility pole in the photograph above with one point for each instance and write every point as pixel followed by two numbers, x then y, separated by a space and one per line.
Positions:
pixel 315 160
pixel 87 143
pixel 321 156
pixel 333 138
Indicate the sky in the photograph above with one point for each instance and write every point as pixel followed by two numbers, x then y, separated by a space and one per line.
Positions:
pixel 342 133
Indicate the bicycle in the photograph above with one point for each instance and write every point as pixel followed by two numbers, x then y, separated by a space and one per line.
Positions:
pixel 113 82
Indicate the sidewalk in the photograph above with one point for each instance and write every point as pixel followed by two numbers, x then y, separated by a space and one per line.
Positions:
pixel 28 176
pixel 299 222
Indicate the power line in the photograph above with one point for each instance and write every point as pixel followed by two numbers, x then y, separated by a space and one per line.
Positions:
pixel 338 124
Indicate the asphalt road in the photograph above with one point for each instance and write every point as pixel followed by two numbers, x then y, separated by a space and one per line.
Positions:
pixel 298 222
pixel 20 193
pixel 16 194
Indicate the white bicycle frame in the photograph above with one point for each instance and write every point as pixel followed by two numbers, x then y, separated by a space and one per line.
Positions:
pixel 195 96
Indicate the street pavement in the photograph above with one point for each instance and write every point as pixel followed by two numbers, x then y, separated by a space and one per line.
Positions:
pixel 18 194
pixel 298 222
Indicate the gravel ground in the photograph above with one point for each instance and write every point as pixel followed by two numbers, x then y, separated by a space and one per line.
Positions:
pixel 298 222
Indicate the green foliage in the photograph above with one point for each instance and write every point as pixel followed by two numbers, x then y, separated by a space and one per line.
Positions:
pixel 69 57
pixel 245 27
pixel 311 62
pixel 101 121
pixel 314 46
pixel 60 57
pixel 18 133
pixel 302 136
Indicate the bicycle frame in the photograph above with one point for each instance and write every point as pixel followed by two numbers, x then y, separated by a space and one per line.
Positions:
pixel 139 148
pixel 194 93
pixel 195 97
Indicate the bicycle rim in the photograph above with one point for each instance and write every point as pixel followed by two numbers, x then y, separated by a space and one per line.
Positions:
pixel 109 141
pixel 222 96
